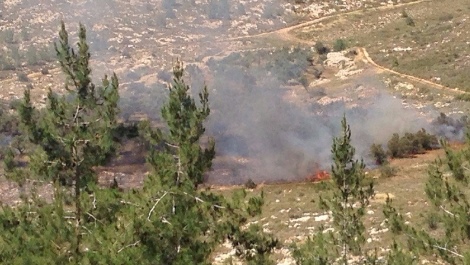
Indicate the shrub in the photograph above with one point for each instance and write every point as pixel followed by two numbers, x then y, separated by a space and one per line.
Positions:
pixel 379 154
pixel 44 71
pixel 31 56
pixel 250 184
pixel 411 144
pixel 463 97
pixel 395 149
pixel 304 81
pixel 46 54
pixel 410 22
pixel 433 220
pixel 25 36
pixel 339 45
pixel 426 140
pixel 22 77
pixel 321 49
pixel 404 14
pixel 7 36
pixel 6 63
pixel 387 171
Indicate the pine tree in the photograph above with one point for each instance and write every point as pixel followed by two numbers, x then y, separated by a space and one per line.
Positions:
pixel 446 189
pixel 183 223
pixel 350 197
pixel 171 220
pixel 348 200
pixel 315 251
pixel 73 134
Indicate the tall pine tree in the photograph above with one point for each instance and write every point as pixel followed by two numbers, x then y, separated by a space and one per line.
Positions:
pixel 183 223
pixel 73 134
pixel 348 200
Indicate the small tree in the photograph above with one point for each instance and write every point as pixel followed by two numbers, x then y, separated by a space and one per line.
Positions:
pixel 340 45
pixel 315 251
pixel 321 49
pixel 73 134
pixel 183 224
pixel 379 154
pixel 446 189
pixel 348 202
pixel 350 197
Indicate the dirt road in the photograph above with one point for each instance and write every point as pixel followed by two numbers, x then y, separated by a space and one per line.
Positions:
pixel 285 34
pixel 368 59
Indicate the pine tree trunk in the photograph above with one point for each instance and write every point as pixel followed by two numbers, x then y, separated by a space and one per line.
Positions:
pixel 78 212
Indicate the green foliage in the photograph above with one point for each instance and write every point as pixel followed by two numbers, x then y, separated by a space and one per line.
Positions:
pixel 315 251
pixel 379 154
pixel 411 144
pixel 463 96
pixel 321 49
pixel 25 35
pixel 410 22
pixel 387 171
pixel 73 134
pixel 287 64
pixel 169 221
pixel 74 130
pixel 432 220
pixel 446 188
pixel 22 77
pixel 250 184
pixel 6 63
pixel 399 256
pixel 7 36
pixel 9 160
pixel 340 45
pixel 9 122
pixel 404 14
pixel 348 201
pixel 185 224
pixel 20 144
pixel 304 81
pixel 396 148
pixel 31 56
pixel 348 176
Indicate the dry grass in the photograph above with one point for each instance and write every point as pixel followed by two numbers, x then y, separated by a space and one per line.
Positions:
pixel 291 211
pixel 436 48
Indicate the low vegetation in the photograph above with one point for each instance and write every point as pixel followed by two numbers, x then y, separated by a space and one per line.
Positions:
pixel 404 146
pixel 88 224
pixel 173 218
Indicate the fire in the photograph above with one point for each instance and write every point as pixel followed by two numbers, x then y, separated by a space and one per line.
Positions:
pixel 320 175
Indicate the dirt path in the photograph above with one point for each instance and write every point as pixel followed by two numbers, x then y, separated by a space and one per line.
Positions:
pixel 368 59
pixel 285 34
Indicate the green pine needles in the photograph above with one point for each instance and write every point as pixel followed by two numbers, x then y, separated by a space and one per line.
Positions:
pixel 350 197
pixel 447 191
pixel 347 201
pixel 170 220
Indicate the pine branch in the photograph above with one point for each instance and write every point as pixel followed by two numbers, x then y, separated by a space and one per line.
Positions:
pixel 128 246
pixel 129 203
pixel 446 211
pixel 201 200
pixel 92 216
pixel 155 205
pixel 436 246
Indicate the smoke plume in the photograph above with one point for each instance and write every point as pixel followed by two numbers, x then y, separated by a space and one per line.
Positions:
pixel 263 137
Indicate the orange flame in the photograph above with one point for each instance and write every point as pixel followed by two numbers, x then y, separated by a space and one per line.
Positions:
pixel 320 175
